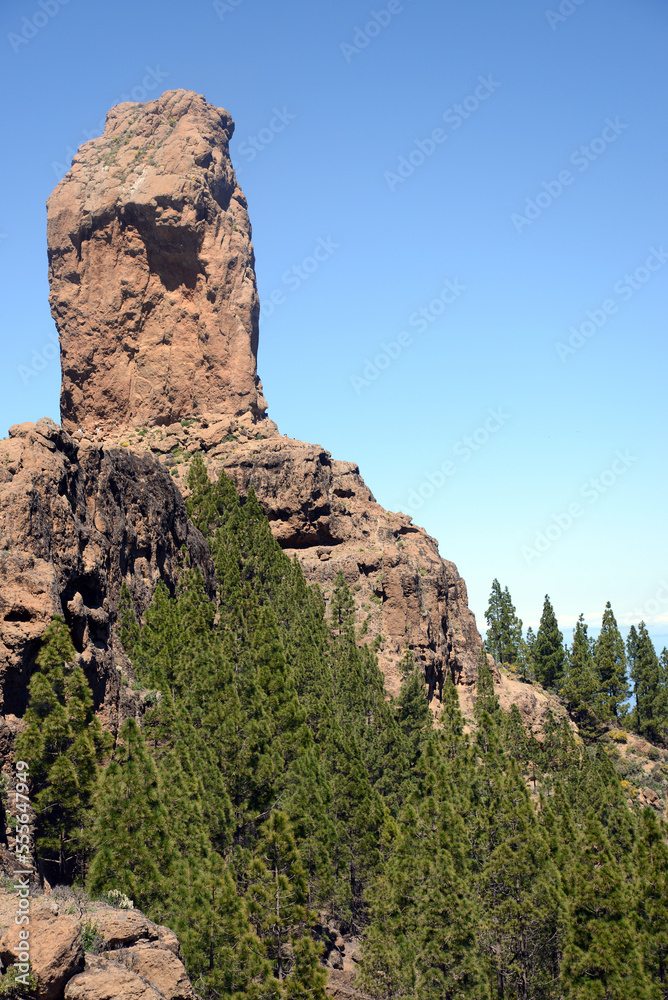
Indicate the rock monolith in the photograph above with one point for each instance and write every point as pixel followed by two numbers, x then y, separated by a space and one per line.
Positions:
pixel 151 269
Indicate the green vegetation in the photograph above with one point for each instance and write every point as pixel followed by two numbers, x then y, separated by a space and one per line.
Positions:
pixel 271 787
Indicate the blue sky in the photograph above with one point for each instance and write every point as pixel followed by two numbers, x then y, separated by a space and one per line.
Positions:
pixel 485 332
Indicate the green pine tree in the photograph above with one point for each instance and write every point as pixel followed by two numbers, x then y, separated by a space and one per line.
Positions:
pixel 610 661
pixel 504 628
pixel 486 701
pixel 133 849
pixel 652 897
pixel 494 640
pixel 276 900
pixel 651 708
pixel 602 950
pixel 581 684
pixel 64 745
pixel 548 653
pixel 521 894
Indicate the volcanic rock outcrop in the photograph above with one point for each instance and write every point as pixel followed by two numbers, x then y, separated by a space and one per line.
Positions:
pixel 129 956
pixel 321 511
pixel 76 521
pixel 154 295
pixel 151 270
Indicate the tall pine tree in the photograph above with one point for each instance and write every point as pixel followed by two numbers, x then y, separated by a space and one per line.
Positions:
pixel 581 683
pixel 64 744
pixel 610 661
pixel 548 652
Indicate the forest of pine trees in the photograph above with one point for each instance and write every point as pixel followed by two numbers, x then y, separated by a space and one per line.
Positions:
pixel 271 786
pixel 601 681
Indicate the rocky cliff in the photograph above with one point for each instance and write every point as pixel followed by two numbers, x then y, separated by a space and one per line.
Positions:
pixel 153 291
pixel 321 511
pixel 152 273
pixel 76 521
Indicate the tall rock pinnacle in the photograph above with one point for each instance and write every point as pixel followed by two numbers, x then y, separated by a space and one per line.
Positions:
pixel 151 269
pixel 154 295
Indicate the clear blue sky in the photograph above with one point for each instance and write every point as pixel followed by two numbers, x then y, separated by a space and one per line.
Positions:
pixel 512 151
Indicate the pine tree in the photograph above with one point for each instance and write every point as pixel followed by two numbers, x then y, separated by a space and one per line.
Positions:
pixel 610 661
pixel 308 803
pixel 277 894
pixel 512 628
pixel 342 607
pixel 651 709
pixel 504 632
pixel 307 978
pixel 530 643
pixel 486 701
pixel 549 655
pixel 133 848
pixel 581 682
pixel 422 941
pixel 602 950
pixel 521 894
pixel 412 710
pixel 520 744
pixel 64 745
pixel 447 911
pixel 652 889
pixel 494 640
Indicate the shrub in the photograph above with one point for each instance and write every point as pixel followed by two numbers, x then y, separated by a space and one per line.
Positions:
pixel 90 937
pixel 118 899
pixel 10 988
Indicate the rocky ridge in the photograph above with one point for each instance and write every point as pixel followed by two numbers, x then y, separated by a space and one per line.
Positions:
pixel 321 511
pixel 76 521
pixel 153 291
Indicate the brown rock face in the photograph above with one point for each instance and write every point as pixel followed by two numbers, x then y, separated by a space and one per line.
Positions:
pixel 76 521
pixel 139 959
pixel 56 947
pixel 151 269
pixel 154 295
pixel 321 511
pixel 153 291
